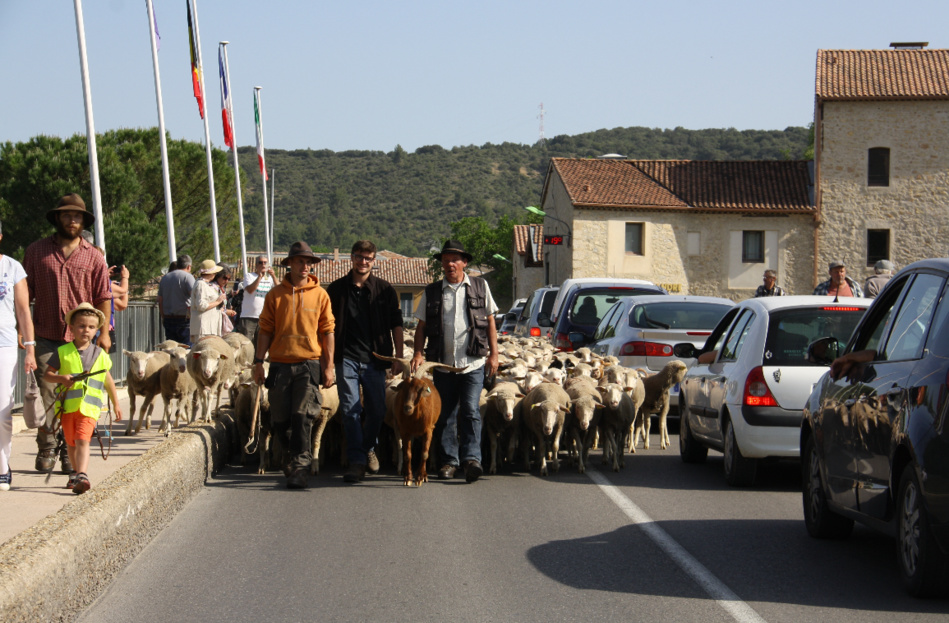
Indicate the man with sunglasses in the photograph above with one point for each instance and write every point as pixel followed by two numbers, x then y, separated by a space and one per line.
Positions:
pixel 368 320
pixel 256 285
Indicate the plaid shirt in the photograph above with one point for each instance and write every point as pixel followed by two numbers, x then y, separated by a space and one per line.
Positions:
pixel 763 291
pixel 823 289
pixel 58 284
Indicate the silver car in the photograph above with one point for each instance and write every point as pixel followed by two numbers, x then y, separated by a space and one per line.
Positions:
pixel 642 330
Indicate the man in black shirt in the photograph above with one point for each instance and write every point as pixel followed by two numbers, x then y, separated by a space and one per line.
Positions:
pixel 368 320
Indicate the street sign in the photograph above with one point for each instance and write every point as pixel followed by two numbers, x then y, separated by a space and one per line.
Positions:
pixel 554 240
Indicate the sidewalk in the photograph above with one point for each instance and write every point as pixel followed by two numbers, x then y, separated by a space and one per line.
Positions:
pixel 31 498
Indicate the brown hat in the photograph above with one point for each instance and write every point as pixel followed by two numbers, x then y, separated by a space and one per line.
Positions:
pixel 86 307
pixel 300 249
pixel 71 203
pixel 453 246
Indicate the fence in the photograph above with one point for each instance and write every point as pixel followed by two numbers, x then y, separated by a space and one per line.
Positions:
pixel 136 328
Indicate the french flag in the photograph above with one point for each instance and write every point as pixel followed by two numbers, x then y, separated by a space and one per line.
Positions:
pixel 226 114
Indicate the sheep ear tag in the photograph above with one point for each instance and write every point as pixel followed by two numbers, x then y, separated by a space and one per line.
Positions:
pixel 197 355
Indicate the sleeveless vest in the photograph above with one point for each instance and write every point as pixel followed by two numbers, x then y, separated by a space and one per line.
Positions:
pixel 87 396
pixel 475 304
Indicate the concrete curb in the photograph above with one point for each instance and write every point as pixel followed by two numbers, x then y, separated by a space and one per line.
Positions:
pixel 56 568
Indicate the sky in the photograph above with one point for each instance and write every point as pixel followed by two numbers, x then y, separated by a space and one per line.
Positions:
pixel 370 75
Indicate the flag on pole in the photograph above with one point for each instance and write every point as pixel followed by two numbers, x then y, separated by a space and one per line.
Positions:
pixel 157 34
pixel 260 137
pixel 226 114
pixel 195 68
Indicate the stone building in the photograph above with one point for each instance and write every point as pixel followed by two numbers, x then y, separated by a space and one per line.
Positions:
pixel 881 148
pixel 694 227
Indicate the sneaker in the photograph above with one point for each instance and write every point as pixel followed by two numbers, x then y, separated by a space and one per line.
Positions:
pixel 297 478
pixel 6 480
pixel 82 483
pixel 473 471
pixel 45 459
pixel 373 462
pixel 355 473
pixel 65 465
pixel 72 481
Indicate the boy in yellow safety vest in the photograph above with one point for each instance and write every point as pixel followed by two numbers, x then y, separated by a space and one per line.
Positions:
pixel 82 403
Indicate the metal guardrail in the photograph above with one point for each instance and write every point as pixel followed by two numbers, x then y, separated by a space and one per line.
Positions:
pixel 136 328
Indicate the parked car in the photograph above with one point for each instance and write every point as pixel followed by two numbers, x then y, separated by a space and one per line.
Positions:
pixel 641 330
pixel 534 320
pixel 581 303
pixel 745 394
pixel 875 442
pixel 510 319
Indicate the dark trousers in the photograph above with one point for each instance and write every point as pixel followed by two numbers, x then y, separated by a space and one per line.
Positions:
pixel 44 349
pixel 295 401
pixel 248 328
pixel 177 329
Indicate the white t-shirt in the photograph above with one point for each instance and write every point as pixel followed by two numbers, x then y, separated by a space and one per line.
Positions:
pixel 11 273
pixel 253 303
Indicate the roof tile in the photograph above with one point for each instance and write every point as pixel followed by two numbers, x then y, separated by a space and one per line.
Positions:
pixel 882 74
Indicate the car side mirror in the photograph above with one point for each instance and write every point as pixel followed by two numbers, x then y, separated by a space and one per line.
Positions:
pixel 822 352
pixel 685 350
pixel 543 319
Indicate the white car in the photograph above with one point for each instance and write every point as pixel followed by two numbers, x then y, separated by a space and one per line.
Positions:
pixel 746 393
pixel 641 331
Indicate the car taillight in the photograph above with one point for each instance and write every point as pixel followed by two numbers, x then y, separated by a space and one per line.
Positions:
pixel 562 342
pixel 842 309
pixel 645 349
pixel 535 331
pixel 757 393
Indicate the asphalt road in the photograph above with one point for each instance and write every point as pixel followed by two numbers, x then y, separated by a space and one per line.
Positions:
pixel 659 541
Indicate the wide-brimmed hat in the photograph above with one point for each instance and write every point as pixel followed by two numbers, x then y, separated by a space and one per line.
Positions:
pixel 86 307
pixel 71 203
pixel 453 246
pixel 209 267
pixel 300 249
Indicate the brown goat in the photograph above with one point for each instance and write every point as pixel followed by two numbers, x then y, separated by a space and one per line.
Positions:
pixel 416 409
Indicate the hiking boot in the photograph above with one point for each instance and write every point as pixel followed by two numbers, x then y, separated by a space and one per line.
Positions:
pixel 297 478
pixel 373 462
pixel 473 471
pixel 447 472
pixel 65 465
pixel 82 483
pixel 45 459
pixel 6 480
pixel 72 481
pixel 355 473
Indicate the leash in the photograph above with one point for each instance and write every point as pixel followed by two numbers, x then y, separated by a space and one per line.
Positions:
pixel 106 451
pixel 254 425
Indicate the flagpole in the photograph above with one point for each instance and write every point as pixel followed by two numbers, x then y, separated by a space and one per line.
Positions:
pixel 237 168
pixel 263 171
pixel 90 127
pixel 273 217
pixel 207 137
pixel 169 213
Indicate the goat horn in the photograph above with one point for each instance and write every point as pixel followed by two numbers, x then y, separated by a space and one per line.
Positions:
pixel 428 365
pixel 406 364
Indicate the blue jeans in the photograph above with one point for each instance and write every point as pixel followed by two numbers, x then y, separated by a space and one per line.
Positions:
pixel 177 329
pixel 458 429
pixel 361 435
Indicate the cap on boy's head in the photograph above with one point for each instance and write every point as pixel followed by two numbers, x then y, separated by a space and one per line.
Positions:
pixel 86 307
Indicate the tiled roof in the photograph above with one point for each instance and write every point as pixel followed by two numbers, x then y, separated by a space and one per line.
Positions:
pixel 532 253
pixel 882 74
pixel 741 186
pixel 402 271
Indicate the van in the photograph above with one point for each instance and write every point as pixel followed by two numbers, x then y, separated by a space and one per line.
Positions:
pixel 581 304
pixel 534 320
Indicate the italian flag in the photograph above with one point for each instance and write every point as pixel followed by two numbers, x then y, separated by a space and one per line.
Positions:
pixel 260 135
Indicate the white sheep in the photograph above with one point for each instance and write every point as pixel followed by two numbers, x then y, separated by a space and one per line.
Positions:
pixel 581 423
pixel 542 412
pixel 500 415
pixel 177 385
pixel 143 379
pixel 615 421
pixel 212 366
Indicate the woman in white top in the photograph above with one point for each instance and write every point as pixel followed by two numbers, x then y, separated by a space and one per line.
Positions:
pixel 206 302
pixel 14 313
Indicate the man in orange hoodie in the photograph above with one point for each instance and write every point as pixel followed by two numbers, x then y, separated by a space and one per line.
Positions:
pixel 296 326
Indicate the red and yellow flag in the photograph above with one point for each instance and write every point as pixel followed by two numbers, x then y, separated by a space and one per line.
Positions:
pixel 195 67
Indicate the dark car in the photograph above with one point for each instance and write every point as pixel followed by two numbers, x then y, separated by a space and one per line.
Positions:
pixel 507 324
pixel 874 443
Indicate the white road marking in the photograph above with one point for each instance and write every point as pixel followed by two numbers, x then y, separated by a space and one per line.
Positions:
pixel 717 590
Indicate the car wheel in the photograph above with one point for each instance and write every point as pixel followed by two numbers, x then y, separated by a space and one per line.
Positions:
pixel 821 522
pixel 922 566
pixel 739 471
pixel 690 450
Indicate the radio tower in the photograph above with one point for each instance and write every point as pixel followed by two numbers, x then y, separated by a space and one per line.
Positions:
pixel 542 140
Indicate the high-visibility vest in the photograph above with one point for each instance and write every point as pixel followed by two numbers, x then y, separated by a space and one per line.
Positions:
pixel 86 396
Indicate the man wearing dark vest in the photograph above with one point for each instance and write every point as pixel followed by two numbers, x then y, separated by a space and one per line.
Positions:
pixel 456 315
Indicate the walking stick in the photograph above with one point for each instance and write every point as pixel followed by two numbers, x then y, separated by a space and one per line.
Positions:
pixel 253 423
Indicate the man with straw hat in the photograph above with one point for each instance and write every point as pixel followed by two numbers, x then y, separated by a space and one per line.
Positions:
pixel 296 328
pixel 63 271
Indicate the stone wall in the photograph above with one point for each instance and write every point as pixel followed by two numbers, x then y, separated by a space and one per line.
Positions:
pixel 914 207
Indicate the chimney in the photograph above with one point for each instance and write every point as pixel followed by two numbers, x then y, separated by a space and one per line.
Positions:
pixel 909 45
pixel 335 254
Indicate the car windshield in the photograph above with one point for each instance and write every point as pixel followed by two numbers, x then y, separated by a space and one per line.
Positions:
pixel 677 315
pixel 592 303
pixel 791 330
